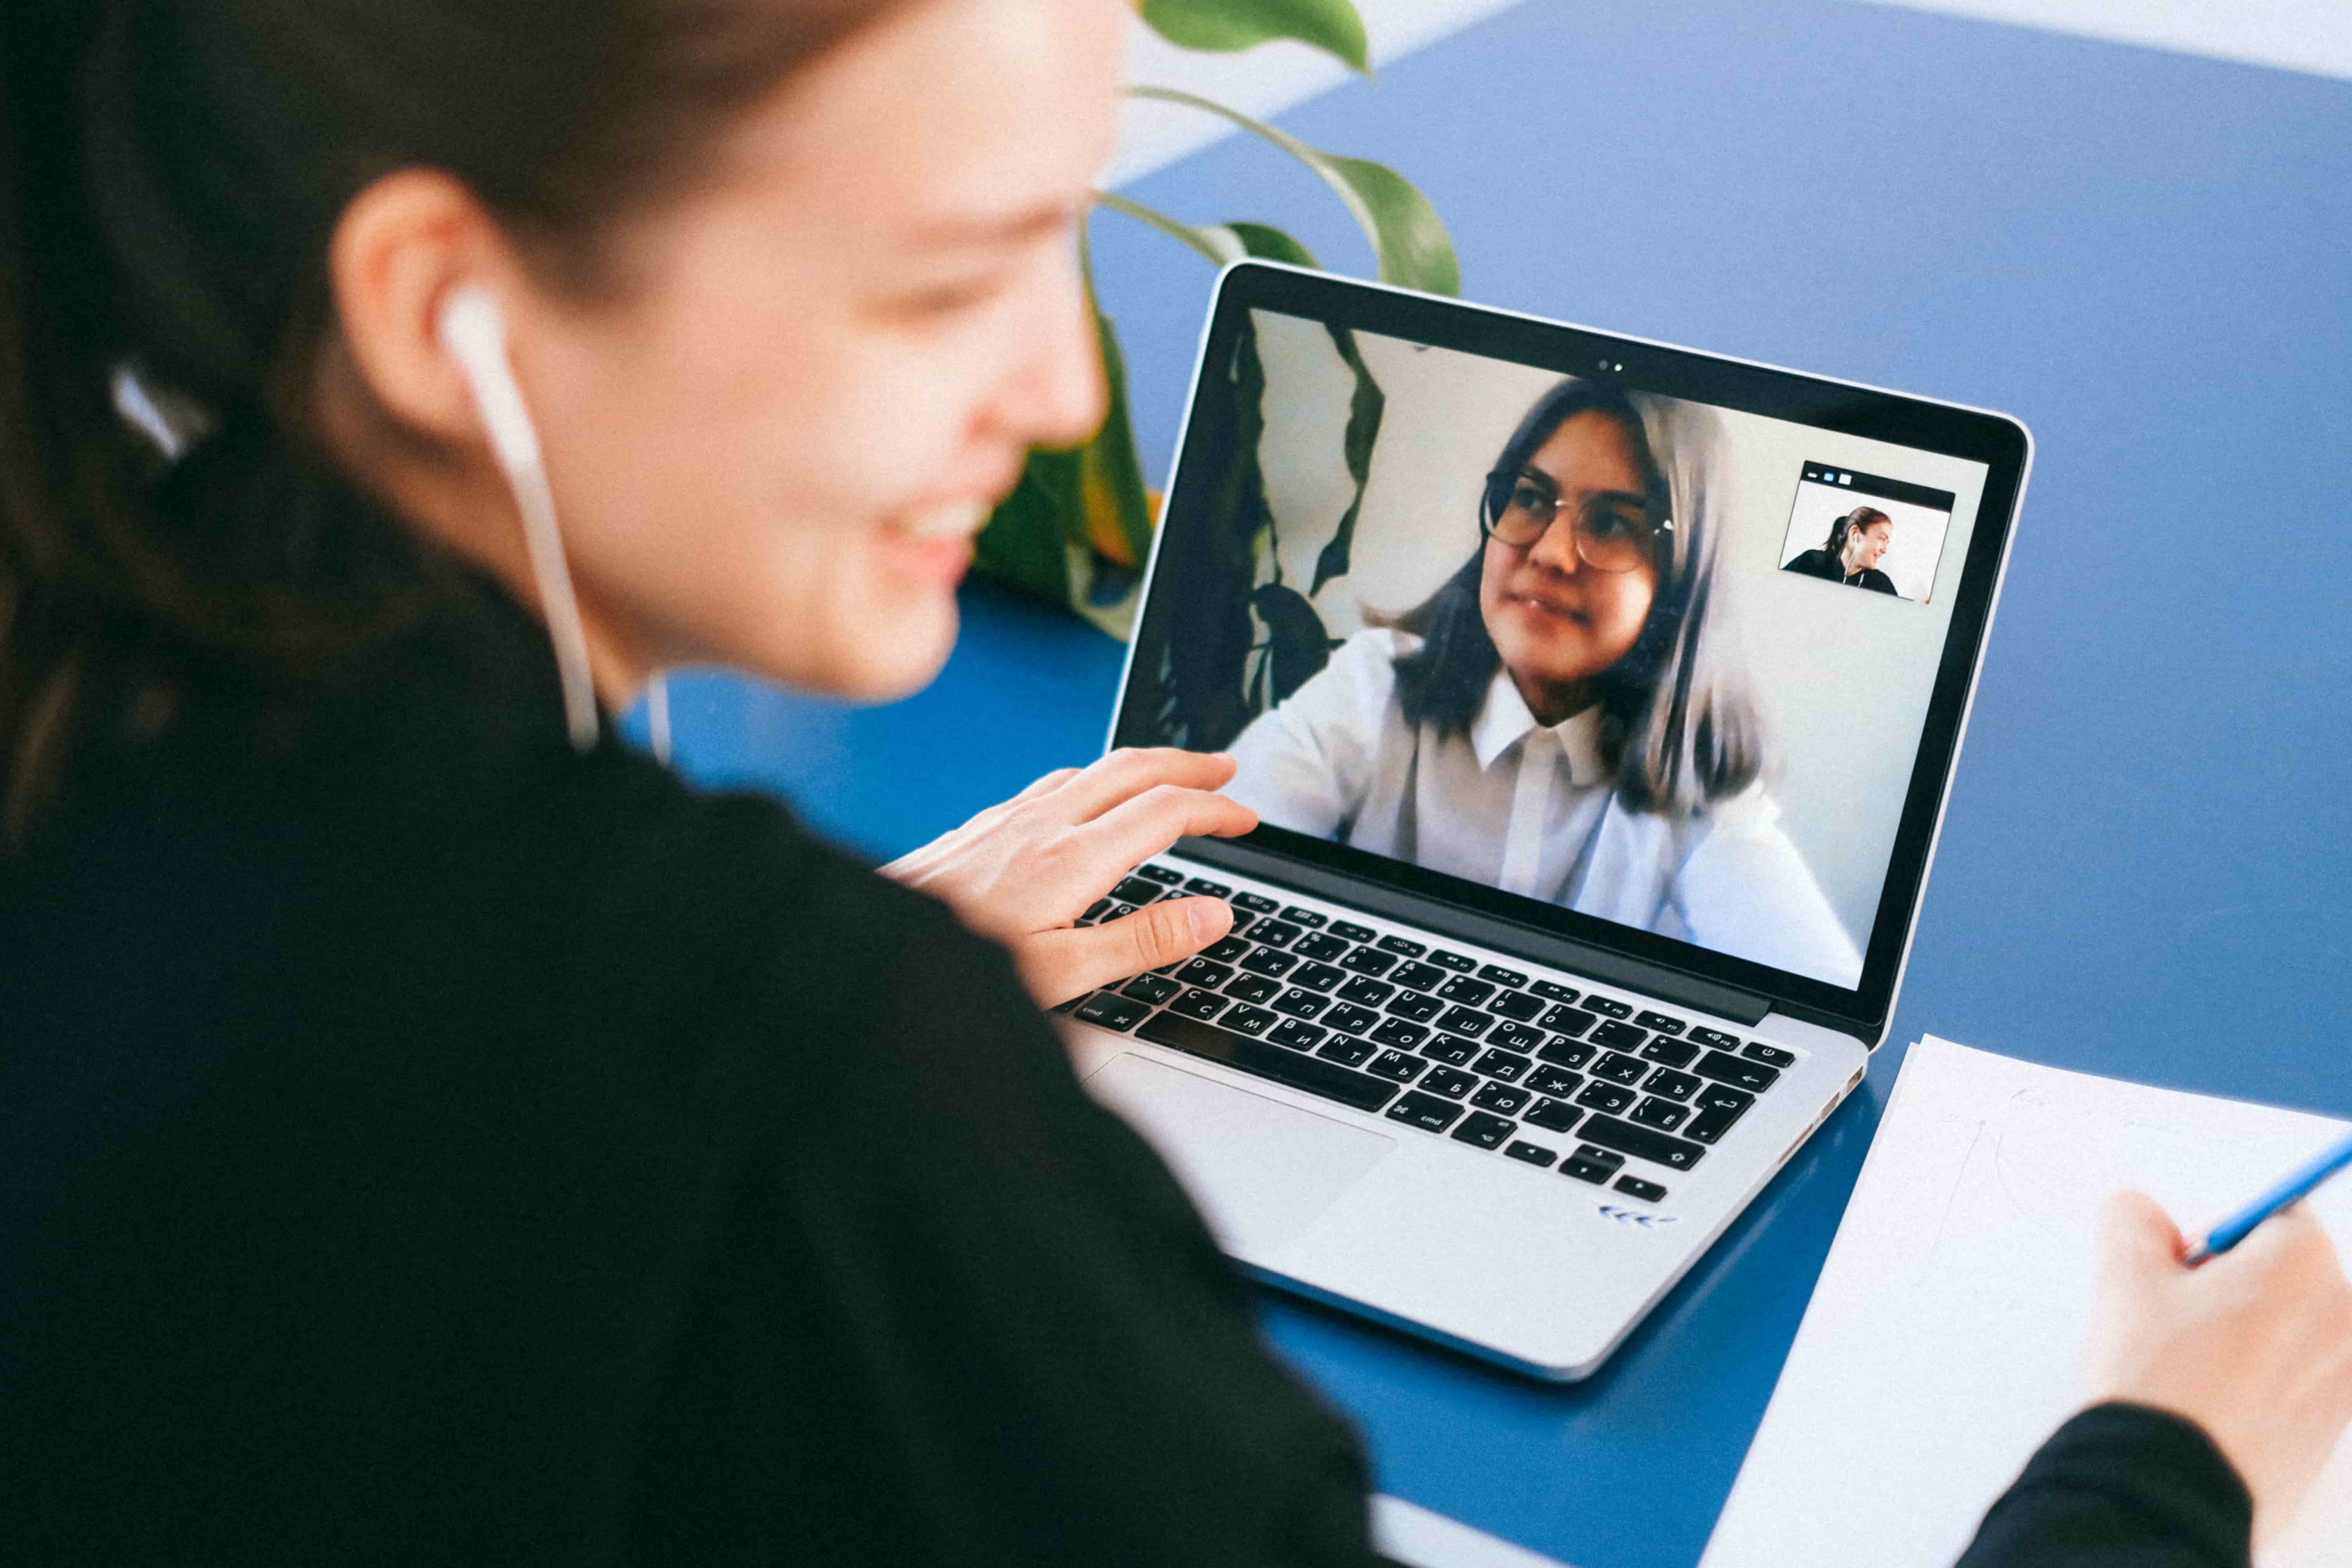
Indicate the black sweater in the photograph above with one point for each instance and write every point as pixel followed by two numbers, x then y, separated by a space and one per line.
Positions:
pixel 422 1144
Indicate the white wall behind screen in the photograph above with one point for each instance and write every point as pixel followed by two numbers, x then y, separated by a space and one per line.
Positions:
pixel 1844 676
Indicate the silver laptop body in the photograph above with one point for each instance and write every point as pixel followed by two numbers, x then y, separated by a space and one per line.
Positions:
pixel 1507 1129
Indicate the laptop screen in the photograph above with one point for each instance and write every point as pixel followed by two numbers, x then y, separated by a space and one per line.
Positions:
pixel 1656 661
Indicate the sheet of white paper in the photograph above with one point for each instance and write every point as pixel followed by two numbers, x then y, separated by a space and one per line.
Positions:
pixel 1942 1342
pixel 1410 1534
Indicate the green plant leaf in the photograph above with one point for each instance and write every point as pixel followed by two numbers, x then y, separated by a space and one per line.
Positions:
pixel 1023 543
pixel 1409 239
pixel 1267 244
pixel 1365 407
pixel 1297 644
pixel 1118 510
pixel 1225 26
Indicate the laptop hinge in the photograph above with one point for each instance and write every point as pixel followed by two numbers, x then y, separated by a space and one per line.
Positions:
pixel 1468 925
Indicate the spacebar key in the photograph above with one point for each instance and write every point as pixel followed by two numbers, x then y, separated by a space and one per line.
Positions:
pixel 1328 1080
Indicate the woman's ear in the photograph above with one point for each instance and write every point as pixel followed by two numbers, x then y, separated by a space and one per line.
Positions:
pixel 399 249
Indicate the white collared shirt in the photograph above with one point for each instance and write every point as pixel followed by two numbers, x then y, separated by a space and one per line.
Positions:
pixel 1531 808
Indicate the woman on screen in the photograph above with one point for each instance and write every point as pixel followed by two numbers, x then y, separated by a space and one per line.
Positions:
pixel 1858 542
pixel 1558 721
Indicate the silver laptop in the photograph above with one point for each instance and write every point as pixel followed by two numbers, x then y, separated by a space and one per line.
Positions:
pixel 1598 699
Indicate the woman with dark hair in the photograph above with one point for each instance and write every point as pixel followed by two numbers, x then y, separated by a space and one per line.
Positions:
pixel 1858 542
pixel 429 1133
pixel 1566 718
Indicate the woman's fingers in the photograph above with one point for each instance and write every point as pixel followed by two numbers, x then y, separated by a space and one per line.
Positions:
pixel 1059 964
pixel 1125 773
pixel 1136 829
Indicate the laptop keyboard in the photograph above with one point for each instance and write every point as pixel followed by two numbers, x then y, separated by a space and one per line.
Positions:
pixel 1613 1092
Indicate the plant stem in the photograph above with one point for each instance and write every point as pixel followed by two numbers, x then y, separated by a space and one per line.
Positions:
pixel 1313 158
pixel 1169 226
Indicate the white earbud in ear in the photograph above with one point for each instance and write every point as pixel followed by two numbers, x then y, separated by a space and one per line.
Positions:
pixel 473 331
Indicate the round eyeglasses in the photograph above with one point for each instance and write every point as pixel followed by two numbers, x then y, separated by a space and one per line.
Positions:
pixel 1613 533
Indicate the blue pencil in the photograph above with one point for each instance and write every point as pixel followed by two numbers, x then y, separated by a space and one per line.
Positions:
pixel 2235 1229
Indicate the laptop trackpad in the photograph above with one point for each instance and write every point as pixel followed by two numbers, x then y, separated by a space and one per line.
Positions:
pixel 1262 1171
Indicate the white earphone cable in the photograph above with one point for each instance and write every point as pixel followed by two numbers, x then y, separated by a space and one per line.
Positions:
pixel 475 334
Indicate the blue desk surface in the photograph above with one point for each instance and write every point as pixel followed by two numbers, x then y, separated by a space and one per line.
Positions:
pixel 2146 256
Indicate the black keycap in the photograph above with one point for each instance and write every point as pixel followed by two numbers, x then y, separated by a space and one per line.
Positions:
pixel 1672 1084
pixel 1351 930
pixel 1517 1005
pixel 1586 1171
pixel 1753 1077
pixel 1620 1069
pixel 1634 1186
pixel 1112 1012
pixel 1307 917
pixel 1501 1097
pixel 1618 1037
pixel 1095 912
pixel 1466 1021
pixel 1661 1022
pixel 1534 1154
pixel 1213 889
pixel 1417 977
pixel 1351 1020
pixel 1252 987
pixel 1399 1065
pixel 1502 976
pixel 1552 1116
pixel 1568 1053
pixel 1553 991
pixel 1666 1049
pixel 1425 1111
pixel 1153 988
pixel 1301 1004
pixel 1162 875
pixel 1370 960
pixel 1250 1020
pixel 1225 948
pixel 1318 977
pixel 1466 991
pixel 1266 960
pixel 1643 1142
pixel 1328 1079
pixel 1322 946
pixel 1396 1032
pixel 1405 945
pixel 1662 1114
pixel 1368 992
pixel 1418 1005
pixel 1557 1082
pixel 1298 1034
pixel 1241 926
pixel 1770 1056
pixel 1201 972
pixel 1136 891
pixel 1459 962
pixel 1516 1038
pixel 1717 1039
pixel 1605 1096
pixel 1450 1082
pixel 1504 1065
pixel 1567 1020
pixel 1257 903
pixel 1719 1108
pixel 1608 1005
pixel 1452 1049
pixel 1346 1048
pixel 1275 933
pixel 1484 1130
pixel 1199 1004
pixel 1117 911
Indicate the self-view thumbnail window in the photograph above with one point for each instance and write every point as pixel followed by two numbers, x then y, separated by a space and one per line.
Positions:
pixel 1866 531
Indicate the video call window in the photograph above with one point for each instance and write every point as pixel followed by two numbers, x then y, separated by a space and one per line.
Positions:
pixel 1863 531
pixel 1531 630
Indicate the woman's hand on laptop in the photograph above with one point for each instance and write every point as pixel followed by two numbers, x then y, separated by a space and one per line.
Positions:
pixel 1024 871
pixel 2255 1345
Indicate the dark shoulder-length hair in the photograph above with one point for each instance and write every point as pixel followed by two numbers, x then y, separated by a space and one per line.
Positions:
pixel 1864 517
pixel 1679 726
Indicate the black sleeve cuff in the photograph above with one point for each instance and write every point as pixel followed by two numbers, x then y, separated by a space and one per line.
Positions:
pixel 2121 1484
